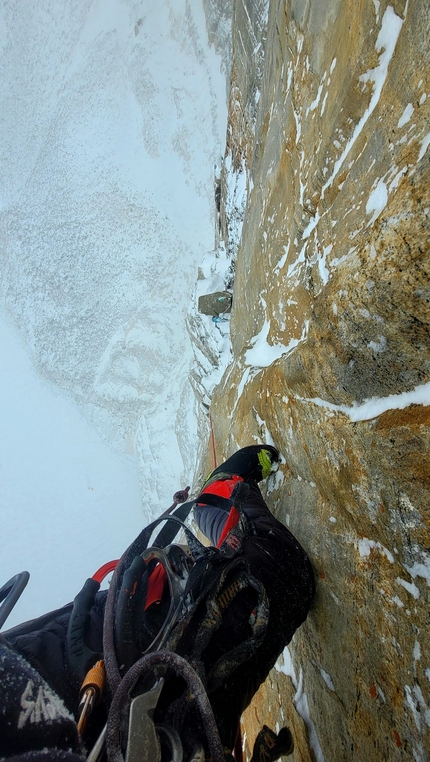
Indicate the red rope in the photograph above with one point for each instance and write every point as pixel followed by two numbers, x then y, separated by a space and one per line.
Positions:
pixel 213 440
pixel 104 571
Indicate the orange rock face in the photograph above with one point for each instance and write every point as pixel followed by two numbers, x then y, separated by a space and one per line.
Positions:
pixel 330 334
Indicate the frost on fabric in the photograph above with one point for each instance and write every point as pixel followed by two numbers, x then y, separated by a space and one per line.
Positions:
pixel 40 704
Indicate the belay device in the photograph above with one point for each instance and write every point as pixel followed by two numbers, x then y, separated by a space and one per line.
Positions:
pixel 156 682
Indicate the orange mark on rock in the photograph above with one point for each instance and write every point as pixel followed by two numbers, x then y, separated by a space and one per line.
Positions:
pixel 322 575
pixel 397 738
pixel 372 690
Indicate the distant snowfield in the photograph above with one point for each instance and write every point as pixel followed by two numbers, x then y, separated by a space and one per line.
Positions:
pixel 113 114
pixel 69 502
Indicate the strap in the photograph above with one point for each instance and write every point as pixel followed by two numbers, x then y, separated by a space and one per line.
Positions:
pixel 168 533
pixel 223 668
pixel 221 583
pixel 79 657
pixel 164 538
pixel 208 498
pixel 232 520
pixel 126 635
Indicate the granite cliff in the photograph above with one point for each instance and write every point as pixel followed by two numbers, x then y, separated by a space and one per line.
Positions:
pixel 328 139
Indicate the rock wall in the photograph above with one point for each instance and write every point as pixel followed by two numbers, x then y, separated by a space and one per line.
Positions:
pixel 329 123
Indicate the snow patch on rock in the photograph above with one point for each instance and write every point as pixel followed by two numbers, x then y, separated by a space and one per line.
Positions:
pixel 285 665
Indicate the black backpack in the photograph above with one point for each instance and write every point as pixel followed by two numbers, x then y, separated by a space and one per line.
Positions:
pixel 158 685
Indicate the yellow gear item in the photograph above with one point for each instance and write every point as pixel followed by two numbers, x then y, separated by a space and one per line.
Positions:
pixel 265 462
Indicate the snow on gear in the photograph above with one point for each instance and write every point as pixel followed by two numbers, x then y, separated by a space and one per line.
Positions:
pixel 184 636
pixel 32 715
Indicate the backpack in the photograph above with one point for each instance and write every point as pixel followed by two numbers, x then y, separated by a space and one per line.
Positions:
pixel 158 682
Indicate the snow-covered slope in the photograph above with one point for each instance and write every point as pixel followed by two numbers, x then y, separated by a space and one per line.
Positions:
pixel 69 502
pixel 112 115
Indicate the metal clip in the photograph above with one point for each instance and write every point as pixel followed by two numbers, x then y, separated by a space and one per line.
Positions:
pixel 90 694
pixel 143 744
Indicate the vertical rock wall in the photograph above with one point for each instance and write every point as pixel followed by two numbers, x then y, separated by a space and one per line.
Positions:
pixel 329 118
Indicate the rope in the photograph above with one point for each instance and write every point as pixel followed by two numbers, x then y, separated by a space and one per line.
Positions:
pixel 104 570
pixel 145 666
pixel 140 544
pixel 213 440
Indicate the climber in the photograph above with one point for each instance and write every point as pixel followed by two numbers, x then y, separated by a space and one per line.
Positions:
pixel 219 632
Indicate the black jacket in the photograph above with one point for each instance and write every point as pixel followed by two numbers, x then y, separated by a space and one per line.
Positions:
pixel 279 562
